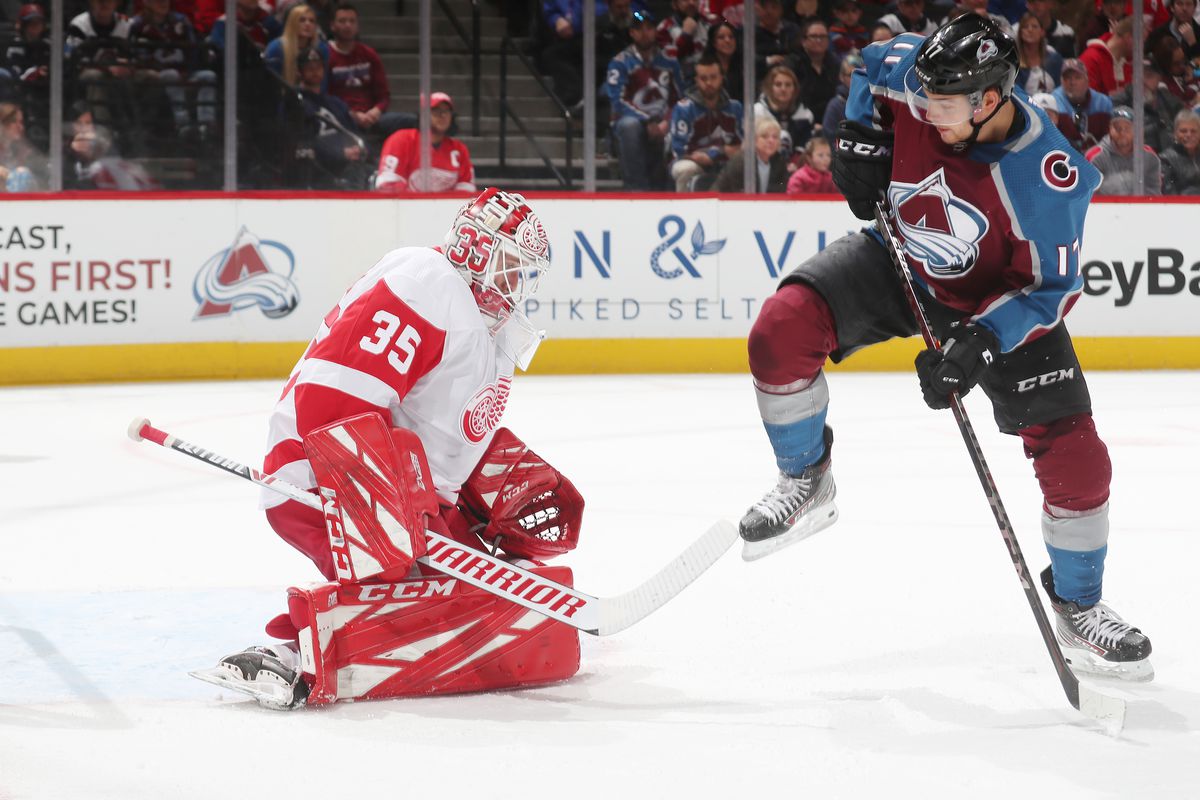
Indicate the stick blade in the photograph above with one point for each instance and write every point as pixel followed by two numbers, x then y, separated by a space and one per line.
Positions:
pixel 1109 711
pixel 618 613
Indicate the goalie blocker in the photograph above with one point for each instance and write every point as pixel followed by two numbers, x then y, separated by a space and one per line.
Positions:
pixel 385 629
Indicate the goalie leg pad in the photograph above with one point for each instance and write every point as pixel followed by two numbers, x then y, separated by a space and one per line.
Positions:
pixel 378 495
pixel 425 636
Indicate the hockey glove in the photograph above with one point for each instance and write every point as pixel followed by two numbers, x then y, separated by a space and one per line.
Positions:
pixel 862 166
pixel 969 350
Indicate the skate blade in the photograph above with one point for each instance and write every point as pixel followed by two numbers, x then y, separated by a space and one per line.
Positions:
pixel 1084 663
pixel 815 522
pixel 268 695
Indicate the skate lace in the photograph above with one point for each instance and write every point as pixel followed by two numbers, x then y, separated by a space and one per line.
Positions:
pixel 1102 625
pixel 789 493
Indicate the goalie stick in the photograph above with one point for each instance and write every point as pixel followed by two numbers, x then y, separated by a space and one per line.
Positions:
pixel 1107 709
pixel 599 616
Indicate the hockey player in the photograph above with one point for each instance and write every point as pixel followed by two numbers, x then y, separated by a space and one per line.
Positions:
pixel 988 201
pixel 392 412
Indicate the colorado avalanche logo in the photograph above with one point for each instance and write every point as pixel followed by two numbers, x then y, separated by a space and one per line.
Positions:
pixel 987 49
pixel 251 272
pixel 483 412
pixel 940 230
pixel 1058 173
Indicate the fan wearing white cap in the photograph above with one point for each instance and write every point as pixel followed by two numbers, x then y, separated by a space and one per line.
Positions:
pixel 450 168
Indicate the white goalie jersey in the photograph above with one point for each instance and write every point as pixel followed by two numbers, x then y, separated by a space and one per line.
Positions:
pixel 406 340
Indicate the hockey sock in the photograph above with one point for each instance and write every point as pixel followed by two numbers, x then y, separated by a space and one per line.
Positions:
pixel 794 417
pixel 1078 576
pixel 1077 542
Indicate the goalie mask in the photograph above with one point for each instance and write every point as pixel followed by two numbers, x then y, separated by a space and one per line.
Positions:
pixel 499 246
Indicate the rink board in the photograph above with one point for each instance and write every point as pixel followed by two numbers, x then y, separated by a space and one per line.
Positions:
pixel 96 288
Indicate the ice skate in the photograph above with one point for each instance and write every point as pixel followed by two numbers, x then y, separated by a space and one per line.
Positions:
pixel 270 675
pixel 798 506
pixel 1096 641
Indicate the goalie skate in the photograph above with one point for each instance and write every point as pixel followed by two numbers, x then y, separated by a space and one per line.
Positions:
pixel 268 674
pixel 798 506
pixel 1096 641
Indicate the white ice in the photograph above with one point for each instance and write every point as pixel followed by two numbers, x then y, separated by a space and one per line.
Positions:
pixel 893 655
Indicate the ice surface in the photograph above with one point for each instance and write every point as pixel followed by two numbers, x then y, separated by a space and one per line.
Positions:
pixel 893 655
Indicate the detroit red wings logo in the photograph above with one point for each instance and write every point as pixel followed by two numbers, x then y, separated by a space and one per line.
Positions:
pixel 483 412
pixel 533 236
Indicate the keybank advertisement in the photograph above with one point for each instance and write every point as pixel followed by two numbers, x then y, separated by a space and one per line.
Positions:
pixel 164 270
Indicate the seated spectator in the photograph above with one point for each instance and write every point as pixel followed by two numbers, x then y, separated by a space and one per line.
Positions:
pixel 980 7
pixel 322 9
pixel 22 168
pixel 1064 122
pixel 780 100
pixel 330 132
pixel 881 32
pixel 683 36
pixel 1041 65
pixel 816 67
pixel 450 163
pixel 612 32
pixel 1059 35
pixel 358 79
pixel 258 25
pixel 93 163
pixel 814 177
pixel 706 130
pixel 909 16
pixel 1182 27
pixel 1010 11
pixel 27 58
pixel 847 34
pixel 1100 25
pixel 725 45
pixel 561 57
pixel 96 44
pixel 835 112
pixel 770 173
pixel 1107 60
pixel 1177 71
pixel 1088 109
pixel 1114 158
pixel 773 36
pixel 643 84
pixel 1161 107
pixel 165 50
pixel 1181 161
pixel 300 33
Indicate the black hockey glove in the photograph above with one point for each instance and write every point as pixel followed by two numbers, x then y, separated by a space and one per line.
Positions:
pixel 967 352
pixel 862 166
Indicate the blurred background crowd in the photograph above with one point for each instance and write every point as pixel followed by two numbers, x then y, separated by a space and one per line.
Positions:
pixel 327 92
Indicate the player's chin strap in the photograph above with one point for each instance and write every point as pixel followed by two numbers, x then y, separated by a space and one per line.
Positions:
pixel 977 127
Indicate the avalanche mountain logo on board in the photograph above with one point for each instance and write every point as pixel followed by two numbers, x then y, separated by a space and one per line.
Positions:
pixel 249 273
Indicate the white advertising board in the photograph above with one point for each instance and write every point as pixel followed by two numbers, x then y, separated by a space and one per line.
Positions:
pixel 163 270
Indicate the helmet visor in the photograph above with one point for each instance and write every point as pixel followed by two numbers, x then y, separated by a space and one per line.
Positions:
pixel 942 110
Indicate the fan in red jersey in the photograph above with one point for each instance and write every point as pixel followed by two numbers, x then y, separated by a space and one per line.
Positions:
pixel 450 166
pixel 392 415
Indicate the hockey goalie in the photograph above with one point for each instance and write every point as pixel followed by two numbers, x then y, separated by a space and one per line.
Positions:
pixel 392 416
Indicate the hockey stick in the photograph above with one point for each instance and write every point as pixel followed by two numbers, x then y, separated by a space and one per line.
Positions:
pixel 599 616
pixel 1106 709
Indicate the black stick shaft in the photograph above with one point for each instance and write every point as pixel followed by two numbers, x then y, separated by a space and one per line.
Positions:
pixel 1070 683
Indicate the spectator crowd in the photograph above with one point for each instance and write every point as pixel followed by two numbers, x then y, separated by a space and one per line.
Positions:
pixel 672 94
pixel 142 88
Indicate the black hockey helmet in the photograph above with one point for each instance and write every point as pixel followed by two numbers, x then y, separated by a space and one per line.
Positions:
pixel 966 56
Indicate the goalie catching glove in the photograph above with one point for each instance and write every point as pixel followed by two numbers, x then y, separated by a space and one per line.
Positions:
pixel 521 504
pixel 862 166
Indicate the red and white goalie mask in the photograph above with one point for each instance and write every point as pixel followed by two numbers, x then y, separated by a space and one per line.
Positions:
pixel 499 245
